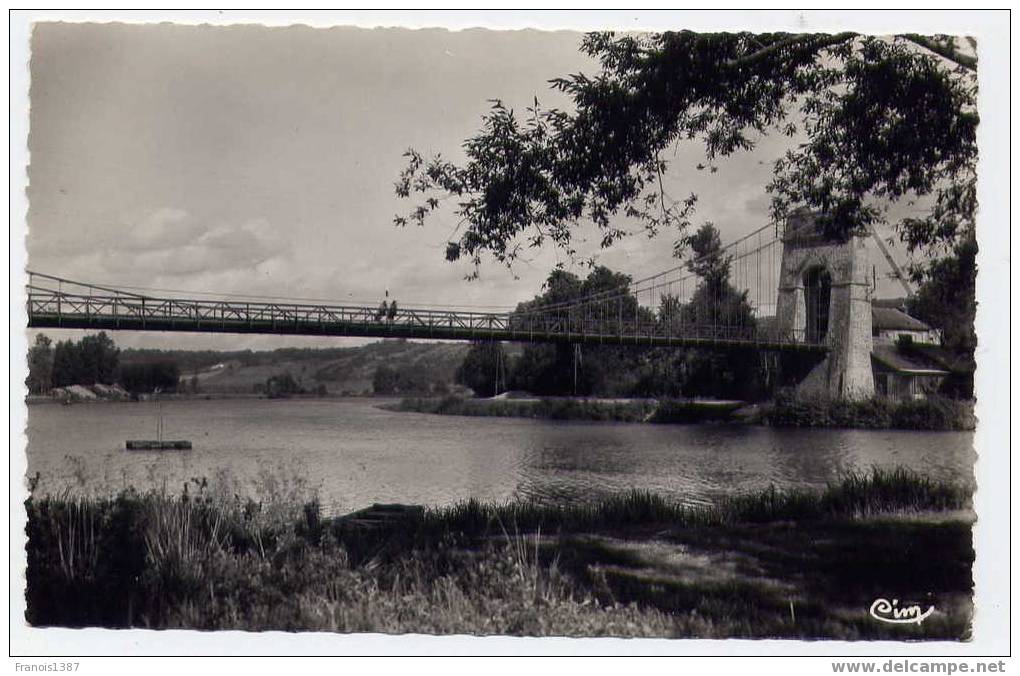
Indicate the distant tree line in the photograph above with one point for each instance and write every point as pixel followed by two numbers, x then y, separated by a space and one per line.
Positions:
pixel 285 385
pixel 419 378
pixel 40 365
pixel 406 368
pixel 191 361
pixel 95 359
pixel 139 378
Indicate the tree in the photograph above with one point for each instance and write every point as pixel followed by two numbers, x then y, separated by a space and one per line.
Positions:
pixel 716 303
pixel 282 386
pixel 93 359
pixel 669 313
pixel 99 357
pixel 40 365
pixel 484 368
pixel 146 377
pixel 945 299
pixel 871 121
pixel 716 307
pixel 385 380
pixel 65 364
pixel 708 259
pixel 550 368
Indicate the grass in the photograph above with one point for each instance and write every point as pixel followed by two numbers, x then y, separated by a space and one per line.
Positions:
pixel 934 413
pixel 855 495
pixel 771 564
pixel 568 408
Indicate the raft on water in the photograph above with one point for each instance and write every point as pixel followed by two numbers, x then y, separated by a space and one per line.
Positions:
pixel 154 445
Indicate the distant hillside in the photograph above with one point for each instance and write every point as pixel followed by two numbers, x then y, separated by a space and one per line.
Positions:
pixel 340 370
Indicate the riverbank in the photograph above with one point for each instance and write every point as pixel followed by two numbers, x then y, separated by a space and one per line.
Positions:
pixel 792 564
pixel 575 408
pixel 934 414
pixel 75 394
pixel 34 399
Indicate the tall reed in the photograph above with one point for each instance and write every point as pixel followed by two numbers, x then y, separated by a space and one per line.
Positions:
pixel 179 534
pixel 75 531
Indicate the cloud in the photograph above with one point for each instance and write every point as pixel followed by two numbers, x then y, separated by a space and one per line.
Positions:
pixel 162 229
pixel 177 247
pixel 170 247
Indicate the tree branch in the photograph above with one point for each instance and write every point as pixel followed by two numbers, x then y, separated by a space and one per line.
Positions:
pixel 662 191
pixel 814 41
pixel 945 51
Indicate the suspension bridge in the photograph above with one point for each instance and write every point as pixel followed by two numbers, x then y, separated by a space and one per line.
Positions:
pixel 674 307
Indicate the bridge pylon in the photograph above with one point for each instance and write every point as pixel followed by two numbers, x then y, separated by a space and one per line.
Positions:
pixel 824 296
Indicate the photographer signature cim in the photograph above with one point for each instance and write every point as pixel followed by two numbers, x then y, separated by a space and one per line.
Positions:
pixel 892 612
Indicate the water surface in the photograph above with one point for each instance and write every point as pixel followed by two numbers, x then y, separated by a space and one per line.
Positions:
pixel 353 453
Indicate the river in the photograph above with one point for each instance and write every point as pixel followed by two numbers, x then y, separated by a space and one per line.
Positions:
pixel 352 453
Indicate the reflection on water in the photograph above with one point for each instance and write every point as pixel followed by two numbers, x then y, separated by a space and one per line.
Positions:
pixel 354 453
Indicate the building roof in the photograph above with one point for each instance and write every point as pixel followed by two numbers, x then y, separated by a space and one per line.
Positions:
pixel 955 363
pixel 895 360
pixel 891 319
pixel 895 303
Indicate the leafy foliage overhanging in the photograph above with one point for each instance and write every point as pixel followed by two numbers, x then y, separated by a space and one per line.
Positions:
pixel 872 121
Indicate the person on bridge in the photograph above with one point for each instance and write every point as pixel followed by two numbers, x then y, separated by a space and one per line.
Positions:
pixel 381 312
pixel 393 311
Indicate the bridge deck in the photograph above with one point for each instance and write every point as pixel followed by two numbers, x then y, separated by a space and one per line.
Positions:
pixel 57 309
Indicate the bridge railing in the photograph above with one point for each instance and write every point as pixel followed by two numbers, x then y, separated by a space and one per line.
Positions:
pixel 47 303
pixel 101 307
pixel 536 324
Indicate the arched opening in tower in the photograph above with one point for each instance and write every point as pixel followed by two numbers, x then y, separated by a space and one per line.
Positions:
pixel 817 294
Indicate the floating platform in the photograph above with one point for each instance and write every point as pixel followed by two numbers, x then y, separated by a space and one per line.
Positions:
pixel 153 445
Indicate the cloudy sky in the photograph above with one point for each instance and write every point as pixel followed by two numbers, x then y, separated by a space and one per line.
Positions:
pixel 262 161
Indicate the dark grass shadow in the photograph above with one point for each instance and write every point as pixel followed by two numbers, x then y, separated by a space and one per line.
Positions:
pixel 806 580
pixel 841 567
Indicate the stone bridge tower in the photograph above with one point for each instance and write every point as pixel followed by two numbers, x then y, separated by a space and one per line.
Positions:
pixel 824 296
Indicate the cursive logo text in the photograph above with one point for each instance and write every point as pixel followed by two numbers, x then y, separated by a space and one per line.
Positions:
pixel 891 612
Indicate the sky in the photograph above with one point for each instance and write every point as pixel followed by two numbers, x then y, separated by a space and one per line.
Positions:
pixel 262 160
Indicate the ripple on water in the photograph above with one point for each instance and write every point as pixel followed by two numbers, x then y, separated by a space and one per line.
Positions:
pixel 353 454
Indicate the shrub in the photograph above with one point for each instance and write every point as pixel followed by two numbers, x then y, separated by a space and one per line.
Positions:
pixel 933 413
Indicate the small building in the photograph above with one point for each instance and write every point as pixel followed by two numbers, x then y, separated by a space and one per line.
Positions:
pixel 890 324
pixel 905 353
pixel 902 373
